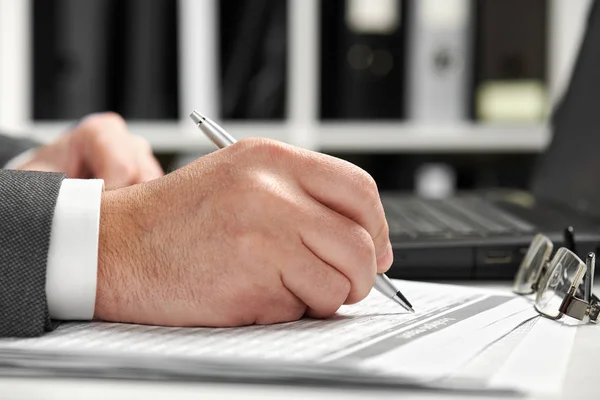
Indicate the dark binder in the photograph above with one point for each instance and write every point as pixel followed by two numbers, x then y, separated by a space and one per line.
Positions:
pixel 510 71
pixel 100 55
pixel 149 62
pixel 70 58
pixel 253 59
pixel 362 67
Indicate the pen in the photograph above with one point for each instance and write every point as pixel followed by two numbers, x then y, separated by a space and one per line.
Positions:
pixel 221 139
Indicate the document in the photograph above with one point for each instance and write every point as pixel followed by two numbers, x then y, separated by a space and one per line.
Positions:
pixel 374 341
pixel 539 362
pixel 533 358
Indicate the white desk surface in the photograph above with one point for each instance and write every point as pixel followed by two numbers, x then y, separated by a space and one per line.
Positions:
pixel 581 382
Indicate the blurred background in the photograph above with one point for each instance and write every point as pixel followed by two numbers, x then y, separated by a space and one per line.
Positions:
pixel 427 95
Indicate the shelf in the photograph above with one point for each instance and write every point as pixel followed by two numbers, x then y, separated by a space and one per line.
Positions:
pixel 198 71
pixel 465 137
pixel 348 137
pixel 169 137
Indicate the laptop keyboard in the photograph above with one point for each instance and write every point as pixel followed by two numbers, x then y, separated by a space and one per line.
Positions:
pixel 455 217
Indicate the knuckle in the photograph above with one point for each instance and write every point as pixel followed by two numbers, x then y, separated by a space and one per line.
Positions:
pixel 333 292
pixel 383 235
pixel 96 135
pixel 257 193
pixel 253 196
pixel 362 246
pixel 96 126
pixel 111 117
pixel 292 311
pixel 364 288
pixel 102 118
pixel 142 144
pixel 93 133
pixel 365 182
pixel 265 147
pixel 338 292
pixel 90 130
pixel 124 168
pixel 250 142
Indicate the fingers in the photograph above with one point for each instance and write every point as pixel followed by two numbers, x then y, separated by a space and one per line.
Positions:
pixel 110 152
pixel 350 191
pixel 318 285
pixel 149 168
pixel 106 158
pixel 337 184
pixel 342 244
pixel 284 306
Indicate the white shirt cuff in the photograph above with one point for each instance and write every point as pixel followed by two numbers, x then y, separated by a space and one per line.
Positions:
pixel 71 272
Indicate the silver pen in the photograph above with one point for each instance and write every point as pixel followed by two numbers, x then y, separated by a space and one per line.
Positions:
pixel 221 139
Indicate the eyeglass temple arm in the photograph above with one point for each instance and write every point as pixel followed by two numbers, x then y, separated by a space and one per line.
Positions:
pixel 594 310
pixel 588 279
pixel 589 305
pixel 594 302
pixel 569 239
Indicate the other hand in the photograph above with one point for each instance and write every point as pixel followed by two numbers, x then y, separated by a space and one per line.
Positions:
pixel 259 232
pixel 99 147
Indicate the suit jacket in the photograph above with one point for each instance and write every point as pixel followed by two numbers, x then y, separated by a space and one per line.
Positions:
pixel 11 147
pixel 27 202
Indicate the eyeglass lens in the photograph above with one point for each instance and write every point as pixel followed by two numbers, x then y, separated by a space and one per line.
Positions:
pixel 538 253
pixel 565 268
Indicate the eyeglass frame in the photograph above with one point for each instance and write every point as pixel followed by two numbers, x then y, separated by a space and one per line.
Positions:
pixel 585 309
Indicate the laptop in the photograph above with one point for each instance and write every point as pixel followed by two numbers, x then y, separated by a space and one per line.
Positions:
pixel 484 235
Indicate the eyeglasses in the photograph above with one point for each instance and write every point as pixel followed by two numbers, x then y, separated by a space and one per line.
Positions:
pixel 562 284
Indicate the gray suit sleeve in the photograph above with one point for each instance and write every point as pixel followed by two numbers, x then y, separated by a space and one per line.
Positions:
pixel 27 203
pixel 11 147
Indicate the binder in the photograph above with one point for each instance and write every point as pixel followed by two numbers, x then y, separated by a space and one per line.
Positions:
pixel 149 87
pixel 439 54
pixel 510 61
pixel 70 58
pixel 99 55
pixel 362 59
pixel 253 59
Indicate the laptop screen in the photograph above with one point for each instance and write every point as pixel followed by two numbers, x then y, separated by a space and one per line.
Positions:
pixel 569 171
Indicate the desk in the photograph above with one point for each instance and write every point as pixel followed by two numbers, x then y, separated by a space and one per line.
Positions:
pixel 580 382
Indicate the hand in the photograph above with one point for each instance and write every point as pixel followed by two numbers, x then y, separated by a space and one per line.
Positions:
pixel 99 147
pixel 259 232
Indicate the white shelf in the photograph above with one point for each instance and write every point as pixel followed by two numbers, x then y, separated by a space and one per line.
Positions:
pixel 198 71
pixel 465 137
pixel 352 137
pixel 170 136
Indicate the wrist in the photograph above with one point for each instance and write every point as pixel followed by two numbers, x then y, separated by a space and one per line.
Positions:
pixel 115 258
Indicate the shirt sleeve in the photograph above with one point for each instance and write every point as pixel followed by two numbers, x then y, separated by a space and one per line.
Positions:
pixel 73 253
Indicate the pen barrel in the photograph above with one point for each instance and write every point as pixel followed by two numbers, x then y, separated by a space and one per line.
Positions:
pixel 217 135
pixel 384 285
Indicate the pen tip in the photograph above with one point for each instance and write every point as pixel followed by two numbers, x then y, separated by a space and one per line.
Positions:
pixel 412 310
pixel 197 117
pixel 401 300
